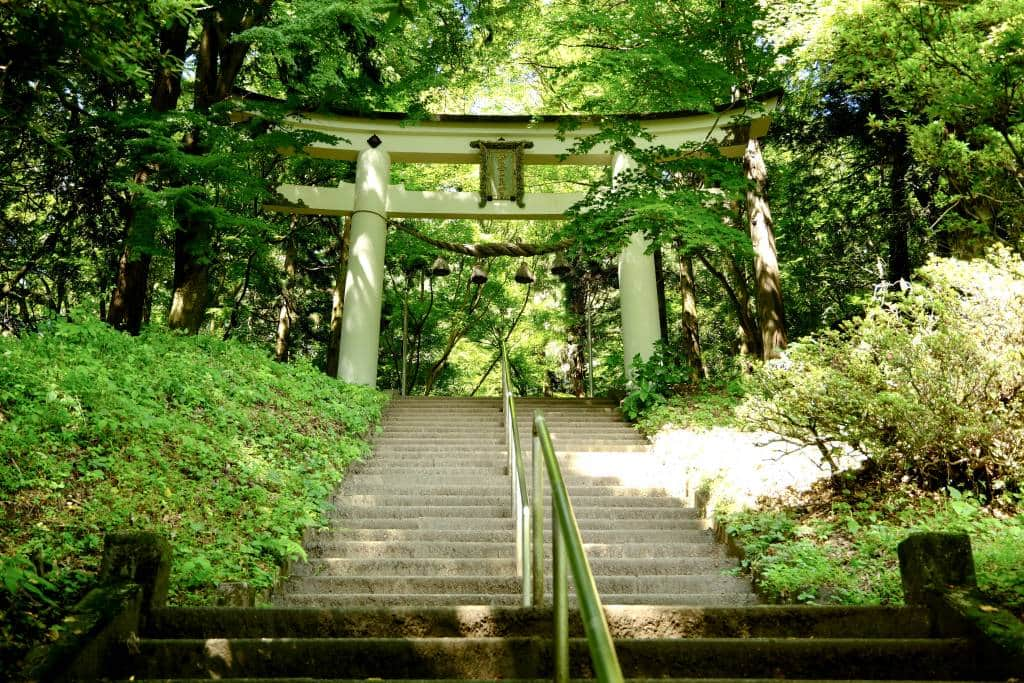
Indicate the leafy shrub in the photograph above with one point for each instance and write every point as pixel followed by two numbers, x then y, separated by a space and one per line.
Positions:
pixel 210 443
pixel 929 385
pixel 662 375
pixel 701 406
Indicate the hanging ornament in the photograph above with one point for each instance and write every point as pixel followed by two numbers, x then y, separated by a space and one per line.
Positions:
pixel 479 276
pixel 440 267
pixel 560 267
pixel 523 275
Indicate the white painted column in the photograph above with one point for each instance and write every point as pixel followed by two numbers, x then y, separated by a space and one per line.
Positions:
pixel 364 287
pixel 638 290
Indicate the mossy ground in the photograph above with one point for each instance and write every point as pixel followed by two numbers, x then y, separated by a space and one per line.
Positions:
pixel 227 453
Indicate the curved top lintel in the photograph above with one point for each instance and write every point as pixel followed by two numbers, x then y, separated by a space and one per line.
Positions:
pixel 447 139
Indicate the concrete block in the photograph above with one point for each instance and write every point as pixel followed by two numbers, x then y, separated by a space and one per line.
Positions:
pixel 138 557
pixel 933 563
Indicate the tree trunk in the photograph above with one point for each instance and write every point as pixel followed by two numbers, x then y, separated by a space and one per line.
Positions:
pixel 191 276
pixel 219 59
pixel 690 328
pixel 750 337
pixel 659 281
pixel 768 282
pixel 338 298
pixel 284 318
pixel 899 214
pixel 739 296
pixel 128 301
pixel 575 347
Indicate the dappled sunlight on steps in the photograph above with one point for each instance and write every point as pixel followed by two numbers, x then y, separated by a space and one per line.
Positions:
pixel 415 578
pixel 431 508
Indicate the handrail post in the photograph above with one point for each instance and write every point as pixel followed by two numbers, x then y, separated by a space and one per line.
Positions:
pixel 504 375
pixel 517 510
pixel 537 496
pixel 508 436
pixel 560 599
pixel 509 442
pixel 524 558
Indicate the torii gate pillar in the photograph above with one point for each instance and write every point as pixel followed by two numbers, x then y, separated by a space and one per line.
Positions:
pixel 638 290
pixel 364 287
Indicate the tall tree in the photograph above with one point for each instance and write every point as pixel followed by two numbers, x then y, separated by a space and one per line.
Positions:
pixel 709 54
pixel 771 317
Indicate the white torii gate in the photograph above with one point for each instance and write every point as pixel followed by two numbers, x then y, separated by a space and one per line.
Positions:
pixel 374 142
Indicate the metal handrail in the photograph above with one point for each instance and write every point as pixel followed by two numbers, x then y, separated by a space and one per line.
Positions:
pixel 566 545
pixel 521 511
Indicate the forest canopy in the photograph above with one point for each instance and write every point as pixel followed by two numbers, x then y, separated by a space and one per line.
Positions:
pixel 130 192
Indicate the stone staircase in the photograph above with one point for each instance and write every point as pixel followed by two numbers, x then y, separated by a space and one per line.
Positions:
pixel 415 579
pixel 427 519
pixel 494 643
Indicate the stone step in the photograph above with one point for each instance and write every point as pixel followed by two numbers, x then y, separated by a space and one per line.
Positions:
pixel 315 539
pixel 409 468
pixel 449 407
pixel 394 600
pixel 454 478
pixel 624 621
pixel 438 458
pixel 481 523
pixel 568 418
pixel 495 424
pixel 471 498
pixel 624 443
pixel 680 583
pixel 479 658
pixel 411 443
pixel 495 403
pixel 469 549
pixel 443 488
pixel 412 446
pixel 430 566
pixel 486 417
pixel 466 430
pixel 345 511
pixel 337 566
pixel 571 403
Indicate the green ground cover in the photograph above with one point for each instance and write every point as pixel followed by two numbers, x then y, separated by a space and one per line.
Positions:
pixel 227 453
pixel 840 548
pixel 713 406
